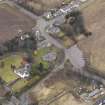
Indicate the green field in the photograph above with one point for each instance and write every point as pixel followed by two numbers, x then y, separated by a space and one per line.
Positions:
pixel 40 53
pixel 6 72
pixel 38 57
pixel 23 83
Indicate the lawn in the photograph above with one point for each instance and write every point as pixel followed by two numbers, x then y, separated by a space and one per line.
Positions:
pixel 19 85
pixel 40 53
pixel 67 42
pixel 64 39
pixel 6 73
pixel 61 35
pixel 23 83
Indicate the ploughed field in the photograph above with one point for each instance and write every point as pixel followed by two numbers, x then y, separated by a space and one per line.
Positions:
pixel 12 20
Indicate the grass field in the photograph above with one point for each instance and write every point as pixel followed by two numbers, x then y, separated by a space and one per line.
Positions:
pixel 94 46
pixel 7 73
pixel 41 53
pixel 38 57
pixel 23 83
pixel 11 20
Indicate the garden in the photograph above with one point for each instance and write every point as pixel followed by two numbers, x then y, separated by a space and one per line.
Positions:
pixel 39 68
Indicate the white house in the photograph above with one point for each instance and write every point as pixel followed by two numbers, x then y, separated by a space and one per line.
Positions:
pixel 23 72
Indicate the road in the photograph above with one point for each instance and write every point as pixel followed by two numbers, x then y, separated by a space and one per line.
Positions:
pixel 74 54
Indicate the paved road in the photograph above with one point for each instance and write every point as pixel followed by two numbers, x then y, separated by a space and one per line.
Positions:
pixel 74 54
pixel 42 24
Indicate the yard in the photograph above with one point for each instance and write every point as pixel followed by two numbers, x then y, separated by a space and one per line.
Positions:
pixel 14 81
pixel 23 84
pixel 38 57
pixel 43 51
pixel 6 72
pixel 9 76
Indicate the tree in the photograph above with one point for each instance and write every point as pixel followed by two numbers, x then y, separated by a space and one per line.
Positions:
pixel 33 71
pixel 40 67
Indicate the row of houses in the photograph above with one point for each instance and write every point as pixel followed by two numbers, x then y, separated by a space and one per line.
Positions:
pixel 63 10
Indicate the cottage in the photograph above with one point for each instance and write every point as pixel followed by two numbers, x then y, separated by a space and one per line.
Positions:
pixel 23 72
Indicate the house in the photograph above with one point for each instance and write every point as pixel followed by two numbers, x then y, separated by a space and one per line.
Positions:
pixel 23 72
